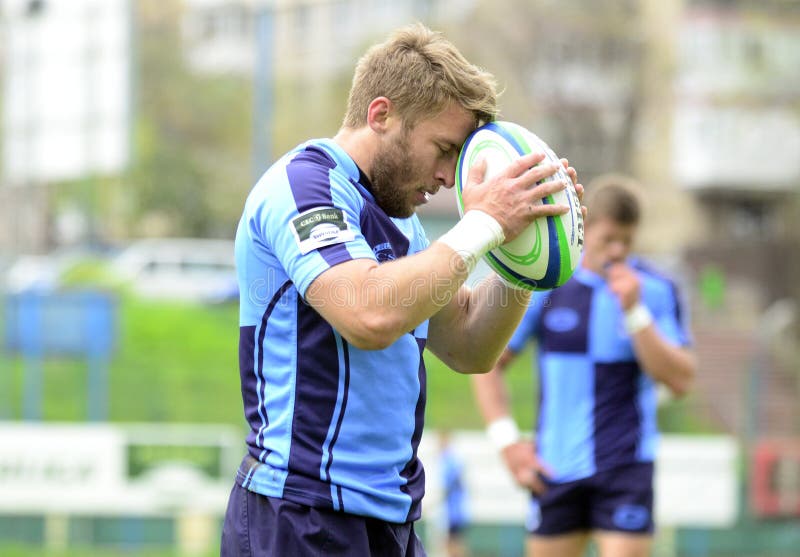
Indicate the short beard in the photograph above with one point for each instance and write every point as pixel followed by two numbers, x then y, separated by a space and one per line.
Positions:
pixel 392 172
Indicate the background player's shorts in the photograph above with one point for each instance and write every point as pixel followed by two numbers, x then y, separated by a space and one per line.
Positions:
pixel 456 528
pixel 619 500
pixel 260 526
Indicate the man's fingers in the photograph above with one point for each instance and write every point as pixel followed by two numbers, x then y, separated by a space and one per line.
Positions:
pixel 477 172
pixel 537 486
pixel 529 478
pixel 571 172
pixel 528 169
pixel 545 470
pixel 548 187
pixel 525 163
pixel 580 190
pixel 543 190
pixel 548 210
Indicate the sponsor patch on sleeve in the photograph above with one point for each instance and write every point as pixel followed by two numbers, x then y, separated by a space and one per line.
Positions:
pixel 320 227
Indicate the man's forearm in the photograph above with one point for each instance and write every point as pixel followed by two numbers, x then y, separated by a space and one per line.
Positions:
pixel 492 315
pixel 674 366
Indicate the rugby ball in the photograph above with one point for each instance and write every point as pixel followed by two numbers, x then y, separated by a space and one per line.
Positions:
pixel 546 254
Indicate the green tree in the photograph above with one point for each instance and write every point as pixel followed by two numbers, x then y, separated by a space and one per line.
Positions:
pixel 191 143
pixel 570 71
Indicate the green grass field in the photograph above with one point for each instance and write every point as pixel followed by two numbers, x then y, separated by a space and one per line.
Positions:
pixel 178 363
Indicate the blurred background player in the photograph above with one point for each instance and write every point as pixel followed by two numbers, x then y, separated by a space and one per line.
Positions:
pixel 455 496
pixel 603 342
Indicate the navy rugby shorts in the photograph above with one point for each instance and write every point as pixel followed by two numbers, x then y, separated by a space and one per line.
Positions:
pixel 260 526
pixel 620 499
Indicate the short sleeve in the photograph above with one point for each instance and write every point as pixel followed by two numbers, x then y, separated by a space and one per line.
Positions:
pixel 669 313
pixel 529 325
pixel 308 214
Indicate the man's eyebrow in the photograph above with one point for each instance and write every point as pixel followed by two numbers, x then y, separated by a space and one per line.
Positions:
pixel 450 142
pixel 451 145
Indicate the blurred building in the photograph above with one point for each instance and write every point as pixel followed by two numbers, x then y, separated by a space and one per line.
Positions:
pixel 735 144
pixel 300 54
pixel 312 40
pixel 736 134
pixel 66 110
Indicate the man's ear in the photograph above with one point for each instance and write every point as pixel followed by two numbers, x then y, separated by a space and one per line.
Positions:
pixel 380 112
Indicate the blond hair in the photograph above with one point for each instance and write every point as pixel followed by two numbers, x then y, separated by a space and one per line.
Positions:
pixel 421 72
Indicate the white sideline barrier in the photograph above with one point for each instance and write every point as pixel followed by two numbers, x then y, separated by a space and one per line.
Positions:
pixel 108 469
pixel 696 481
pixel 87 468
pixel 186 472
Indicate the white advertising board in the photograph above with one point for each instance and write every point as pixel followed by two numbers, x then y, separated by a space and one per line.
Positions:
pixel 146 469
pixel 696 482
pixel 152 469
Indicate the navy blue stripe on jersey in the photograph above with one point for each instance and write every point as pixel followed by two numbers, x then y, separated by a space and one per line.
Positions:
pixel 316 394
pixel 413 471
pixel 617 422
pixel 680 315
pixel 261 379
pixel 341 405
pixel 251 370
pixel 565 318
pixel 247 345
pixel 379 230
pixel 309 180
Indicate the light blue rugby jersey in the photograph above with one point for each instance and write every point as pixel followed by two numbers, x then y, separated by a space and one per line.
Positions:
pixel 597 408
pixel 332 426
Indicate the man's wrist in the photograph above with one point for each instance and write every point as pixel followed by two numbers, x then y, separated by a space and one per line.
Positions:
pixel 474 235
pixel 637 318
pixel 503 432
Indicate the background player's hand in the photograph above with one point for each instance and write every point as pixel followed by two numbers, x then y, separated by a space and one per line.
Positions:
pixel 624 284
pixel 524 466
pixel 512 195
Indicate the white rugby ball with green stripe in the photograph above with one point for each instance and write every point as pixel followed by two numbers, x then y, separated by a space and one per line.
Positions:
pixel 546 254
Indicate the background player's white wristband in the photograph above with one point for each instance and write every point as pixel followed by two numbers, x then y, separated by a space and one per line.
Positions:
pixel 475 234
pixel 503 432
pixel 637 318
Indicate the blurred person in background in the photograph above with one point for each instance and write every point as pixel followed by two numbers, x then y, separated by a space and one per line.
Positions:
pixel 455 496
pixel 604 340
pixel 341 292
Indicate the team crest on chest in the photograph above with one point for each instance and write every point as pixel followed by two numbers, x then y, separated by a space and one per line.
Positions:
pixel 384 252
pixel 561 319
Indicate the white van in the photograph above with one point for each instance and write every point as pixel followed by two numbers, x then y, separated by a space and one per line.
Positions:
pixel 185 269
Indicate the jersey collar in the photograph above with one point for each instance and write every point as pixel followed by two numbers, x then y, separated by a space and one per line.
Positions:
pixel 345 162
pixel 588 277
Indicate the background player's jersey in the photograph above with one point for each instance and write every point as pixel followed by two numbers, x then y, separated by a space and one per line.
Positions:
pixel 454 489
pixel 332 426
pixel 597 408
